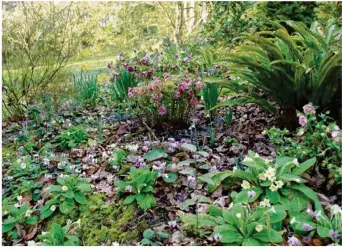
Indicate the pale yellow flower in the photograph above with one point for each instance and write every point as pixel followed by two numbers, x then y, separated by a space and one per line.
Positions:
pixel 259 228
pixel 265 203
pixel 273 188
pixel 246 185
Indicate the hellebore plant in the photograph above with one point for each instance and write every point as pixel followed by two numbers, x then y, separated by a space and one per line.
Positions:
pixel 238 225
pixel 168 99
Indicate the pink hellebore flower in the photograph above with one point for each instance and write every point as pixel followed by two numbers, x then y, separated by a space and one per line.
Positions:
pixel 309 109
pixel 302 120
pixel 130 92
pixel 162 110
pixel 193 101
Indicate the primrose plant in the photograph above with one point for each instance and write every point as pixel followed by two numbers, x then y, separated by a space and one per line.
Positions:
pixel 18 216
pixel 71 137
pixel 69 192
pixel 278 182
pixel 61 236
pixel 238 225
pixel 139 187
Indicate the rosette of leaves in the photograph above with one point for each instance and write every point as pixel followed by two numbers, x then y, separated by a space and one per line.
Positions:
pixel 152 238
pixel 26 168
pixel 311 222
pixel 69 193
pixel 71 138
pixel 239 225
pixel 61 236
pixel 21 216
pixel 280 182
pixel 139 187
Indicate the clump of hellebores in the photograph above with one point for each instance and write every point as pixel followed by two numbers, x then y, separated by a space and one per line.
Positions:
pixel 168 99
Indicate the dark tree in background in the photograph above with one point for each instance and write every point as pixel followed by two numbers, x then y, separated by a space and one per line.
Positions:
pixel 296 11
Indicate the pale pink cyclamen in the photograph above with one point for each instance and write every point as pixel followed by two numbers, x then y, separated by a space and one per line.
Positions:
pixel 162 110
pixel 309 109
pixel 302 120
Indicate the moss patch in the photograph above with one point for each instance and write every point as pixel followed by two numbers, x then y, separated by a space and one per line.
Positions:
pixel 103 224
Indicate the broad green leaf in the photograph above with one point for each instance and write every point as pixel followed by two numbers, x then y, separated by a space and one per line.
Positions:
pixel 80 198
pixel 268 235
pixel 304 166
pixel 171 177
pixel 129 199
pixel 187 203
pixel 155 154
pixel 323 232
pixel 32 220
pixel 250 242
pixel 189 147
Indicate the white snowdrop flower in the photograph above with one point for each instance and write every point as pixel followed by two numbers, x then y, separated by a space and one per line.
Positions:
pixel 238 215
pixel 9 178
pixel 166 176
pixel 293 220
pixel 28 213
pixel 43 233
pixel 17 205
pixel 295 162
pixel 46 161
pixel 297 180
pixel 5 212
pixel 23 165
pixel 19 161
pixel 264 132
pixel 259 228
pixel 53 208
pixel 64 188
pixel 234 169
pixel 19 198
pixel 115 243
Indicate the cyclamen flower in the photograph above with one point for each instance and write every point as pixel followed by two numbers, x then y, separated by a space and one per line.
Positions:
pixel 302 120
pixel 128 189
pixel 144 149
pixel 172 224
pixel 307 227
pixel 191 179
pixel 293 241
pixel 162 110
pixel 251 194
pixel 181 87
pixel 334 234
pixel 309 109
pixel 218 237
